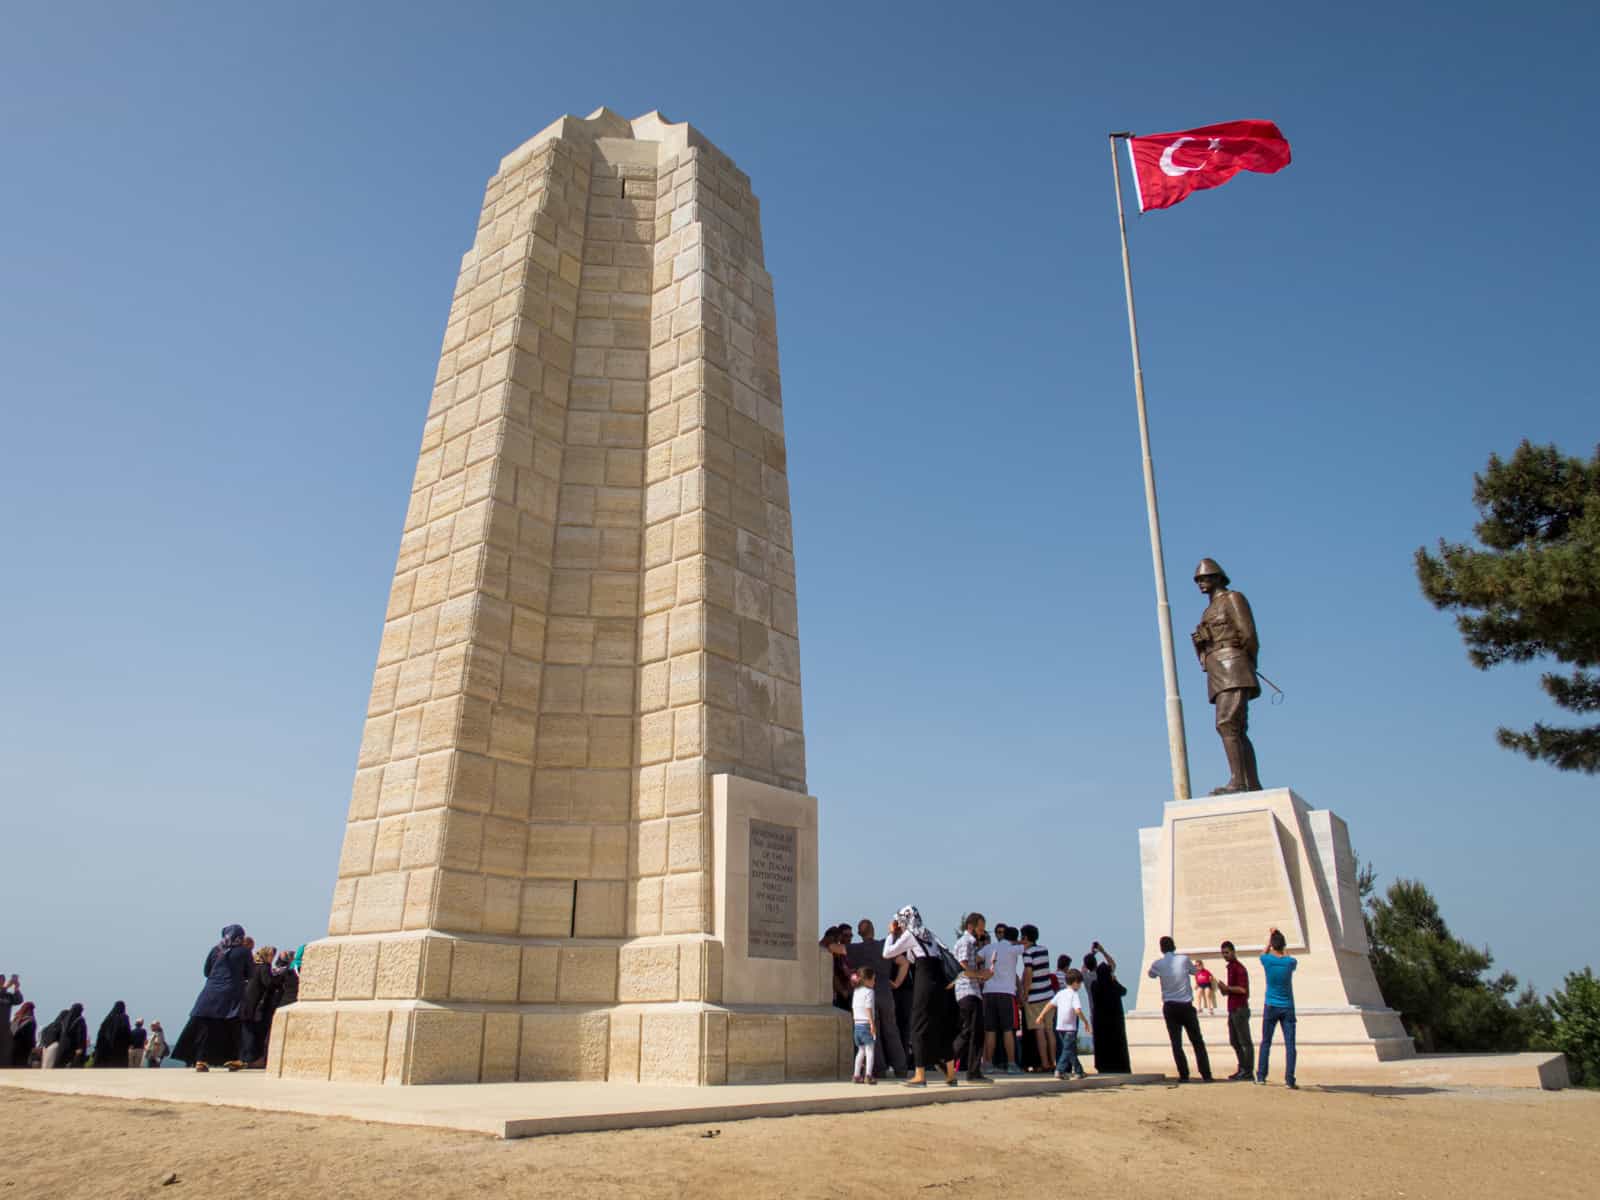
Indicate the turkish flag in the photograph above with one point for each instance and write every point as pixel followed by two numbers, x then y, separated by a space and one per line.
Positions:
pixel 1167 167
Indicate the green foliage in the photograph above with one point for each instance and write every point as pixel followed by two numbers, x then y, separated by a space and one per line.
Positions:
pixel 1439 984
pixel 1534 592
pixel 1575 1028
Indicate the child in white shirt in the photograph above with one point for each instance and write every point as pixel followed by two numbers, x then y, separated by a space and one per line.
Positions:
pixel 863 1012
pixel 1070 1016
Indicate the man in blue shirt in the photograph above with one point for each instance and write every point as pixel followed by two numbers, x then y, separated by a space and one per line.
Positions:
pixel 1279 1007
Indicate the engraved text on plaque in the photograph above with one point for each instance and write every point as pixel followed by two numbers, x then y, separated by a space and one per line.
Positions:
pixel 773 890
pixel 1230 880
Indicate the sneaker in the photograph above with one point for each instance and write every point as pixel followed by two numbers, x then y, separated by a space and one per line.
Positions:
pixel 1081 1075
pixel 871 1079
pixel 979 1078
pixel 1060 1076
pixel 1013 1069
pixel 1292 1086
pixel 855 1079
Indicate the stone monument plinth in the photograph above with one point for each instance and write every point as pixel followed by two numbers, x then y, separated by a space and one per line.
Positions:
pixel 1230 867
pixel 579 845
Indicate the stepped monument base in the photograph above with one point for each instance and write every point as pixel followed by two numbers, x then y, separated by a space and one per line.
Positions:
pixel 1230 867
pixel 747 1004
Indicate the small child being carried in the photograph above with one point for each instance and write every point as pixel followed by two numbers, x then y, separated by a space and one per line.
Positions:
pixel 863 1012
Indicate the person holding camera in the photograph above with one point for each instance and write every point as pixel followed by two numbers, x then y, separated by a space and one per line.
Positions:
pixel 1174 970
pixel 1279 1007
pixel 1105 1009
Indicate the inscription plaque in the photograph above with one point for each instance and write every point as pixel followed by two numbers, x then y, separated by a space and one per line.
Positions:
pixel 774 891
pixel 1230 880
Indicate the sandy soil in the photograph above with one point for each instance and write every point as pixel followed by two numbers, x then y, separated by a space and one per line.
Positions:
pixel 1139 1141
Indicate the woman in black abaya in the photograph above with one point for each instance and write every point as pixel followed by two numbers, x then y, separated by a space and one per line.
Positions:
pixel 1105 1010
pixel 74 1042
pixel 24 1030
pixel 932 1031
pixel 115 1036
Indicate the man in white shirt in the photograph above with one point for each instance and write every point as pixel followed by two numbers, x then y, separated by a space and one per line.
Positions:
pixel 1003 959
pixel 1177 1006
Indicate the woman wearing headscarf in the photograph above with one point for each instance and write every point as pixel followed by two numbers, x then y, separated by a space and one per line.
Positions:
pixel 115 1036
pixel 931 1029
pixel 10 993
pixel 50 1041
pixel 23 1029
pixel 212 1034
pixel 74 1043
pixel 260 998
pixel 1105 1012
pixel 156 1048
pixel 288 979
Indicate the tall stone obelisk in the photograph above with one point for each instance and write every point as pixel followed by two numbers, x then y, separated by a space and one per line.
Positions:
pixel 579 845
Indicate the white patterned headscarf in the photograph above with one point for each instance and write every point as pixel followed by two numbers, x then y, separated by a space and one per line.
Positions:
pixel 911 919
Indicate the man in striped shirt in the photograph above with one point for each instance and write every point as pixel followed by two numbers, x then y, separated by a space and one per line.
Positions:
pixel 1037 992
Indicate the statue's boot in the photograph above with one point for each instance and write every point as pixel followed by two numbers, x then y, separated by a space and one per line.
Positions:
pixel 1247 755
pixel 1236 766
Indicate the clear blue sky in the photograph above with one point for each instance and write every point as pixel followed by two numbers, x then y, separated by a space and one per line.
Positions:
pixel 227 246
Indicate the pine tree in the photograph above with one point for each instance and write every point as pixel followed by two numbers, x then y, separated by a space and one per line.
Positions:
pixel 1436 982
pixel 1576 1032
pixel 1533 592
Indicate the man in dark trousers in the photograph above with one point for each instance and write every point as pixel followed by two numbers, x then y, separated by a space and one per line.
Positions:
pixel 1237 990
pixel 1177 1006
pixel 969 998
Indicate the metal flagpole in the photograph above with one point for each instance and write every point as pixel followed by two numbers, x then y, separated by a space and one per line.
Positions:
pixel 1176 744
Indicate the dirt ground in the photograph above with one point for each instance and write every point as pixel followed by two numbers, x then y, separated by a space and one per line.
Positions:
pixel 1160 1141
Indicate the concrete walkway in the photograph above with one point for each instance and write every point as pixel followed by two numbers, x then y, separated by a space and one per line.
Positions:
pixel 514 1110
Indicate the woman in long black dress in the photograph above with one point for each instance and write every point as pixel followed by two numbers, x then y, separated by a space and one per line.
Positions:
pixel 74 1038
pixel 212 1034
pixel 931 1029
pixel 24 1029
pixel 1105 1008
pixel 115 1036
pixel 260 998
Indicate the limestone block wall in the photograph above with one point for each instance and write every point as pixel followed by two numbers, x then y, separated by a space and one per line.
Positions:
pixel 593 612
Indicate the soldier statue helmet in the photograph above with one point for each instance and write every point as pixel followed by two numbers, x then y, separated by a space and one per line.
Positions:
pixel 1225 642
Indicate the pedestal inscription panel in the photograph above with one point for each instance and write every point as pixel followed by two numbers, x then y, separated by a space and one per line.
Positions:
pixel 1230 880
pixel 774 890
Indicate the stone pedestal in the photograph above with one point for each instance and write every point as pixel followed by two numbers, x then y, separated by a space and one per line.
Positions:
pixel 1230 867
pixel 579 844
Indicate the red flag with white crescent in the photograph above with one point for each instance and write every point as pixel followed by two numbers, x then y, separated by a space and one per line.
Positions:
pixel 1168 167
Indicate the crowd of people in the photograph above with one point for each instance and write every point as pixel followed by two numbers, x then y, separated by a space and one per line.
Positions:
pixel 989 1003
pixel 65 1042
pixel 993 1002
pixel 229 1024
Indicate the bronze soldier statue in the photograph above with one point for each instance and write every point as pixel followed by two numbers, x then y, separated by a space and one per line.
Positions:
pixel 1226 643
